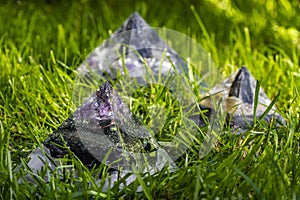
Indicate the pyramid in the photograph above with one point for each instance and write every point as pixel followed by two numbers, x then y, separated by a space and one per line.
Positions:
pixel 237 93
pixel 134 43
pixel 103 123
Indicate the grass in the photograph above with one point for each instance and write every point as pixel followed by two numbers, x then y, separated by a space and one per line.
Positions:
pixel 42 43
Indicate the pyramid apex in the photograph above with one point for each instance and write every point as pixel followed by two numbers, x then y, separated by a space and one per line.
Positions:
pixel 134 21
pixel 135 14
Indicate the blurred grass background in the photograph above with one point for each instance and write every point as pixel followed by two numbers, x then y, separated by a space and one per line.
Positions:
pixel 42 42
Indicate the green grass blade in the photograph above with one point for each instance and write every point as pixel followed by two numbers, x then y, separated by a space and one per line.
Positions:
pixel 257 88
pixel 270 106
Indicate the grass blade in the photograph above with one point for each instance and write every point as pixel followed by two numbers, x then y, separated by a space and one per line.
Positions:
pixel 257 190
pixel 257 88
pixel 270 106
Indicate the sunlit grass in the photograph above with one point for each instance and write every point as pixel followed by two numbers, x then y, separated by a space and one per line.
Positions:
pixel 42 44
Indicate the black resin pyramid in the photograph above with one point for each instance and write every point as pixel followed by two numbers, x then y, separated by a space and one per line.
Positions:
pixel 104 123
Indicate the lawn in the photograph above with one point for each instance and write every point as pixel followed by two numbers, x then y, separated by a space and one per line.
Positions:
pixel 43 42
